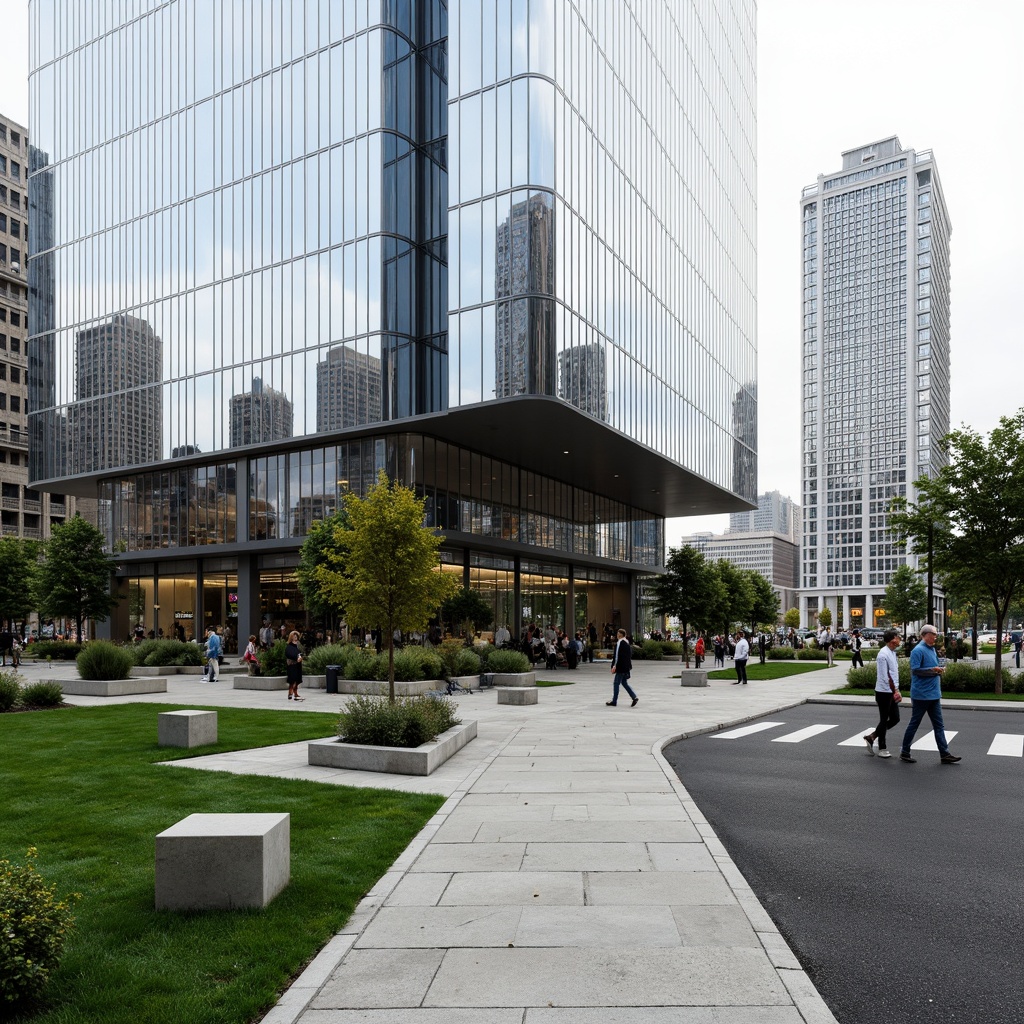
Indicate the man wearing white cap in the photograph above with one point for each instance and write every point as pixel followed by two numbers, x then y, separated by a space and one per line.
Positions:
pixel 926 696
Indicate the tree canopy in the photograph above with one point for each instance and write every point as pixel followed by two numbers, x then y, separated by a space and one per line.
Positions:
pixel 17 567
pixel 73 580
pixel 825 617
pixel 906 597
pixel 467 609
pixel 319 550
pixel 385 570
pixel 792 618
pixel 968 519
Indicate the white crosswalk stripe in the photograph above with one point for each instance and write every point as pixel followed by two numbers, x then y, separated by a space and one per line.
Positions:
pixel 1006 744
pixel 928 742
pixel 855 741
pixel 746 730
pixel 804 734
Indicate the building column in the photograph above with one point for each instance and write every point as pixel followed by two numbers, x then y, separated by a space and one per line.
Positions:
pixel 869 610
pixel 516 625
pixel 249 618
pixel 570 603
pixel 803 611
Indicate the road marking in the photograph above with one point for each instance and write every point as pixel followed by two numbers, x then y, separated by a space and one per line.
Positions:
pixel 803 734
pixel 1006 744
pixel 855 741
pixel 746 730
pixel 928 742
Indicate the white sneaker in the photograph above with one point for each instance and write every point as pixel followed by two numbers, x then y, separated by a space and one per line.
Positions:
pixel 884 753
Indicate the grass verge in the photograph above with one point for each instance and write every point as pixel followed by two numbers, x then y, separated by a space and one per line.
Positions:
pixel 555 682
pixel 82 786
pixel 770 670
pixel 850 691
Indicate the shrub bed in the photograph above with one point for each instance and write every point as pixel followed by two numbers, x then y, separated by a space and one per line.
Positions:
pixel 273 661
pixel 101 659
pixel 59 650
pixel 958 678
pixel 652 651
pixel 408 722
pixel 507 662
pixel 315 663
pixel 34 923
pixel 781 654
pixel 160 653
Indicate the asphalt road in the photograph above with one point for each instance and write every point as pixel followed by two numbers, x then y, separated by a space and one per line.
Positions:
pixel 898 886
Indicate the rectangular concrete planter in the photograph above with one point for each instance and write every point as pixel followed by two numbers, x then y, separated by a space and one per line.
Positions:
pixel 190 670
pixel 467 682
pixel 421 760
pixel 112 687
pixel 518 695
pixel 260 682
pixel 515 678
pixel 315 682
pixel 693 677
pixel 374 686
pixel 142 671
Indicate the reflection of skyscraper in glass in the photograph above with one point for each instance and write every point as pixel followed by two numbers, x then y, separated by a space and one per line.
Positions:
pixel 582 379
pixel 117 415
pixel 348 389
pixel 261 415
pixel 744 447
pixel 524 337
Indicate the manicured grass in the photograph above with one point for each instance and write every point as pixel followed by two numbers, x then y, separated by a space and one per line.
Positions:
pixel 850 691
pixel 82 786
pixel 555 682
pixel 770 669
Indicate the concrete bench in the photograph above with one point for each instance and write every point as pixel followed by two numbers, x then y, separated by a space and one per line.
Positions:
pixel 693 677
pixel 520 695
pixel 186 728
pixel 223 861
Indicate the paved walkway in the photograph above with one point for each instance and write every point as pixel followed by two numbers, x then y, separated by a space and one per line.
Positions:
pixel 568 879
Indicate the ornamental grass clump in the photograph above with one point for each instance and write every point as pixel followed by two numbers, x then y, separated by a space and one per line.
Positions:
pixel 507 662
pixel 34 923
pixel 467 663
pixel 161 653
pixel 10 691
pixel 405 722
pixel 42 695
pixel 315 663
pixel 101 659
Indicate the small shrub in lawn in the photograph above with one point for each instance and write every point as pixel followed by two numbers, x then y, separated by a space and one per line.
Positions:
pixel 59 650
pixel 34 923
pixel 101 659
pixel 467 663
pixel 10 691
pixel 407 722
pixel 507 661
pixel 42 695
pixel 652 651
pixel 781 654
pixel 273 661
pixel 315 663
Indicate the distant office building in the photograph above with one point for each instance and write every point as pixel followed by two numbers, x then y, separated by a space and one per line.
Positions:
pixel 261 415
pixel 348 389
pixel 582 379
pixel 117 417
pixel 765 540
pixel 875 358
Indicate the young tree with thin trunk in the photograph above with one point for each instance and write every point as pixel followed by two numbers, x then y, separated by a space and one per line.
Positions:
pixel 968 520
pixel 906 599
pixel 386 568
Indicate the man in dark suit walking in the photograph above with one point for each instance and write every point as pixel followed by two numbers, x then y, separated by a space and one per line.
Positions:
pixel 622 666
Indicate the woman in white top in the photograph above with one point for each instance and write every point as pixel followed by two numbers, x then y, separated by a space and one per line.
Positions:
pixel 887 683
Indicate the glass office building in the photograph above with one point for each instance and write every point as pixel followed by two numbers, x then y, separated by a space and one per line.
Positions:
pixel 876 336
pixel 503 251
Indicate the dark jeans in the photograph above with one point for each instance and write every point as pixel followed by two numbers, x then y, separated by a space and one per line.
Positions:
pixel 741 670
pixel 888 716
pixel 857 660
pixel 622 679
pixel 933 709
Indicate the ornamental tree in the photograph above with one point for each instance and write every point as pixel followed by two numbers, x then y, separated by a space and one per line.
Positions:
pixel 690 590
pixel 906 597
pixel 968 520
pixel 384 568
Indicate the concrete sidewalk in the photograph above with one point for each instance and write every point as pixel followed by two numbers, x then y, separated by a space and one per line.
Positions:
pixel 568 879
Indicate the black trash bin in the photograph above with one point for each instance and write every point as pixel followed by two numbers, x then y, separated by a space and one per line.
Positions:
pixel 332 678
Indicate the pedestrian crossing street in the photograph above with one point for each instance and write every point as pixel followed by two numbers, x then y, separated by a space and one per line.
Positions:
pixel 1004 744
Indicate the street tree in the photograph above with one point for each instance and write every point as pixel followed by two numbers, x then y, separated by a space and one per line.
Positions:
pixel 906 597
pixel 387 571
pixel 690 590
pixel 791 620
pixel 322 549
pixel 825 617
pixel 968 518
pixel 739 594
pixel 764 609
pixel 17 567
pixel 73 579
pixel 468 610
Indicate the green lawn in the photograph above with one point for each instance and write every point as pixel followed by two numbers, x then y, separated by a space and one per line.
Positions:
pixel 770 669
pixel 555 682
pixel 851 691
pixel 82 786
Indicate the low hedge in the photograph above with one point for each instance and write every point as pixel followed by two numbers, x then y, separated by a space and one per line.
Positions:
pixel 59 650
pixel 407 722
pixel 781 654
pixel 958 678
pixel 315 663
pixel 161 653
pixel 508 661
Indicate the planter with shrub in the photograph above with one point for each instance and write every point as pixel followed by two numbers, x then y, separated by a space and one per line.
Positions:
pixel 510 668
pixel 412 736
pixel 165 657
pixel 104 670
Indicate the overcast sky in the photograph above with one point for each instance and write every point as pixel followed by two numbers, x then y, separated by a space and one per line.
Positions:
pixel 834 74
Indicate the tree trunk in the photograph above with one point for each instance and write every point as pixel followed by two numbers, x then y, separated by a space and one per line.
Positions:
pixel 391 663
pixel 974 634
pixel 686 646
pixel 1000 613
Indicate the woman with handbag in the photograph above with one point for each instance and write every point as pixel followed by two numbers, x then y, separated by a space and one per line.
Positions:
pixel 251 658
pixel 293 659
pixel 887 692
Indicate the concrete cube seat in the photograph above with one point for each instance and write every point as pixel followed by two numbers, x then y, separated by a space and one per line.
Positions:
pixel 520 695
pixel 186 728
pixel 222 861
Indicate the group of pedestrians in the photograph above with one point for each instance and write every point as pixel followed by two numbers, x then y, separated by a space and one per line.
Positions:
pixel 926 671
